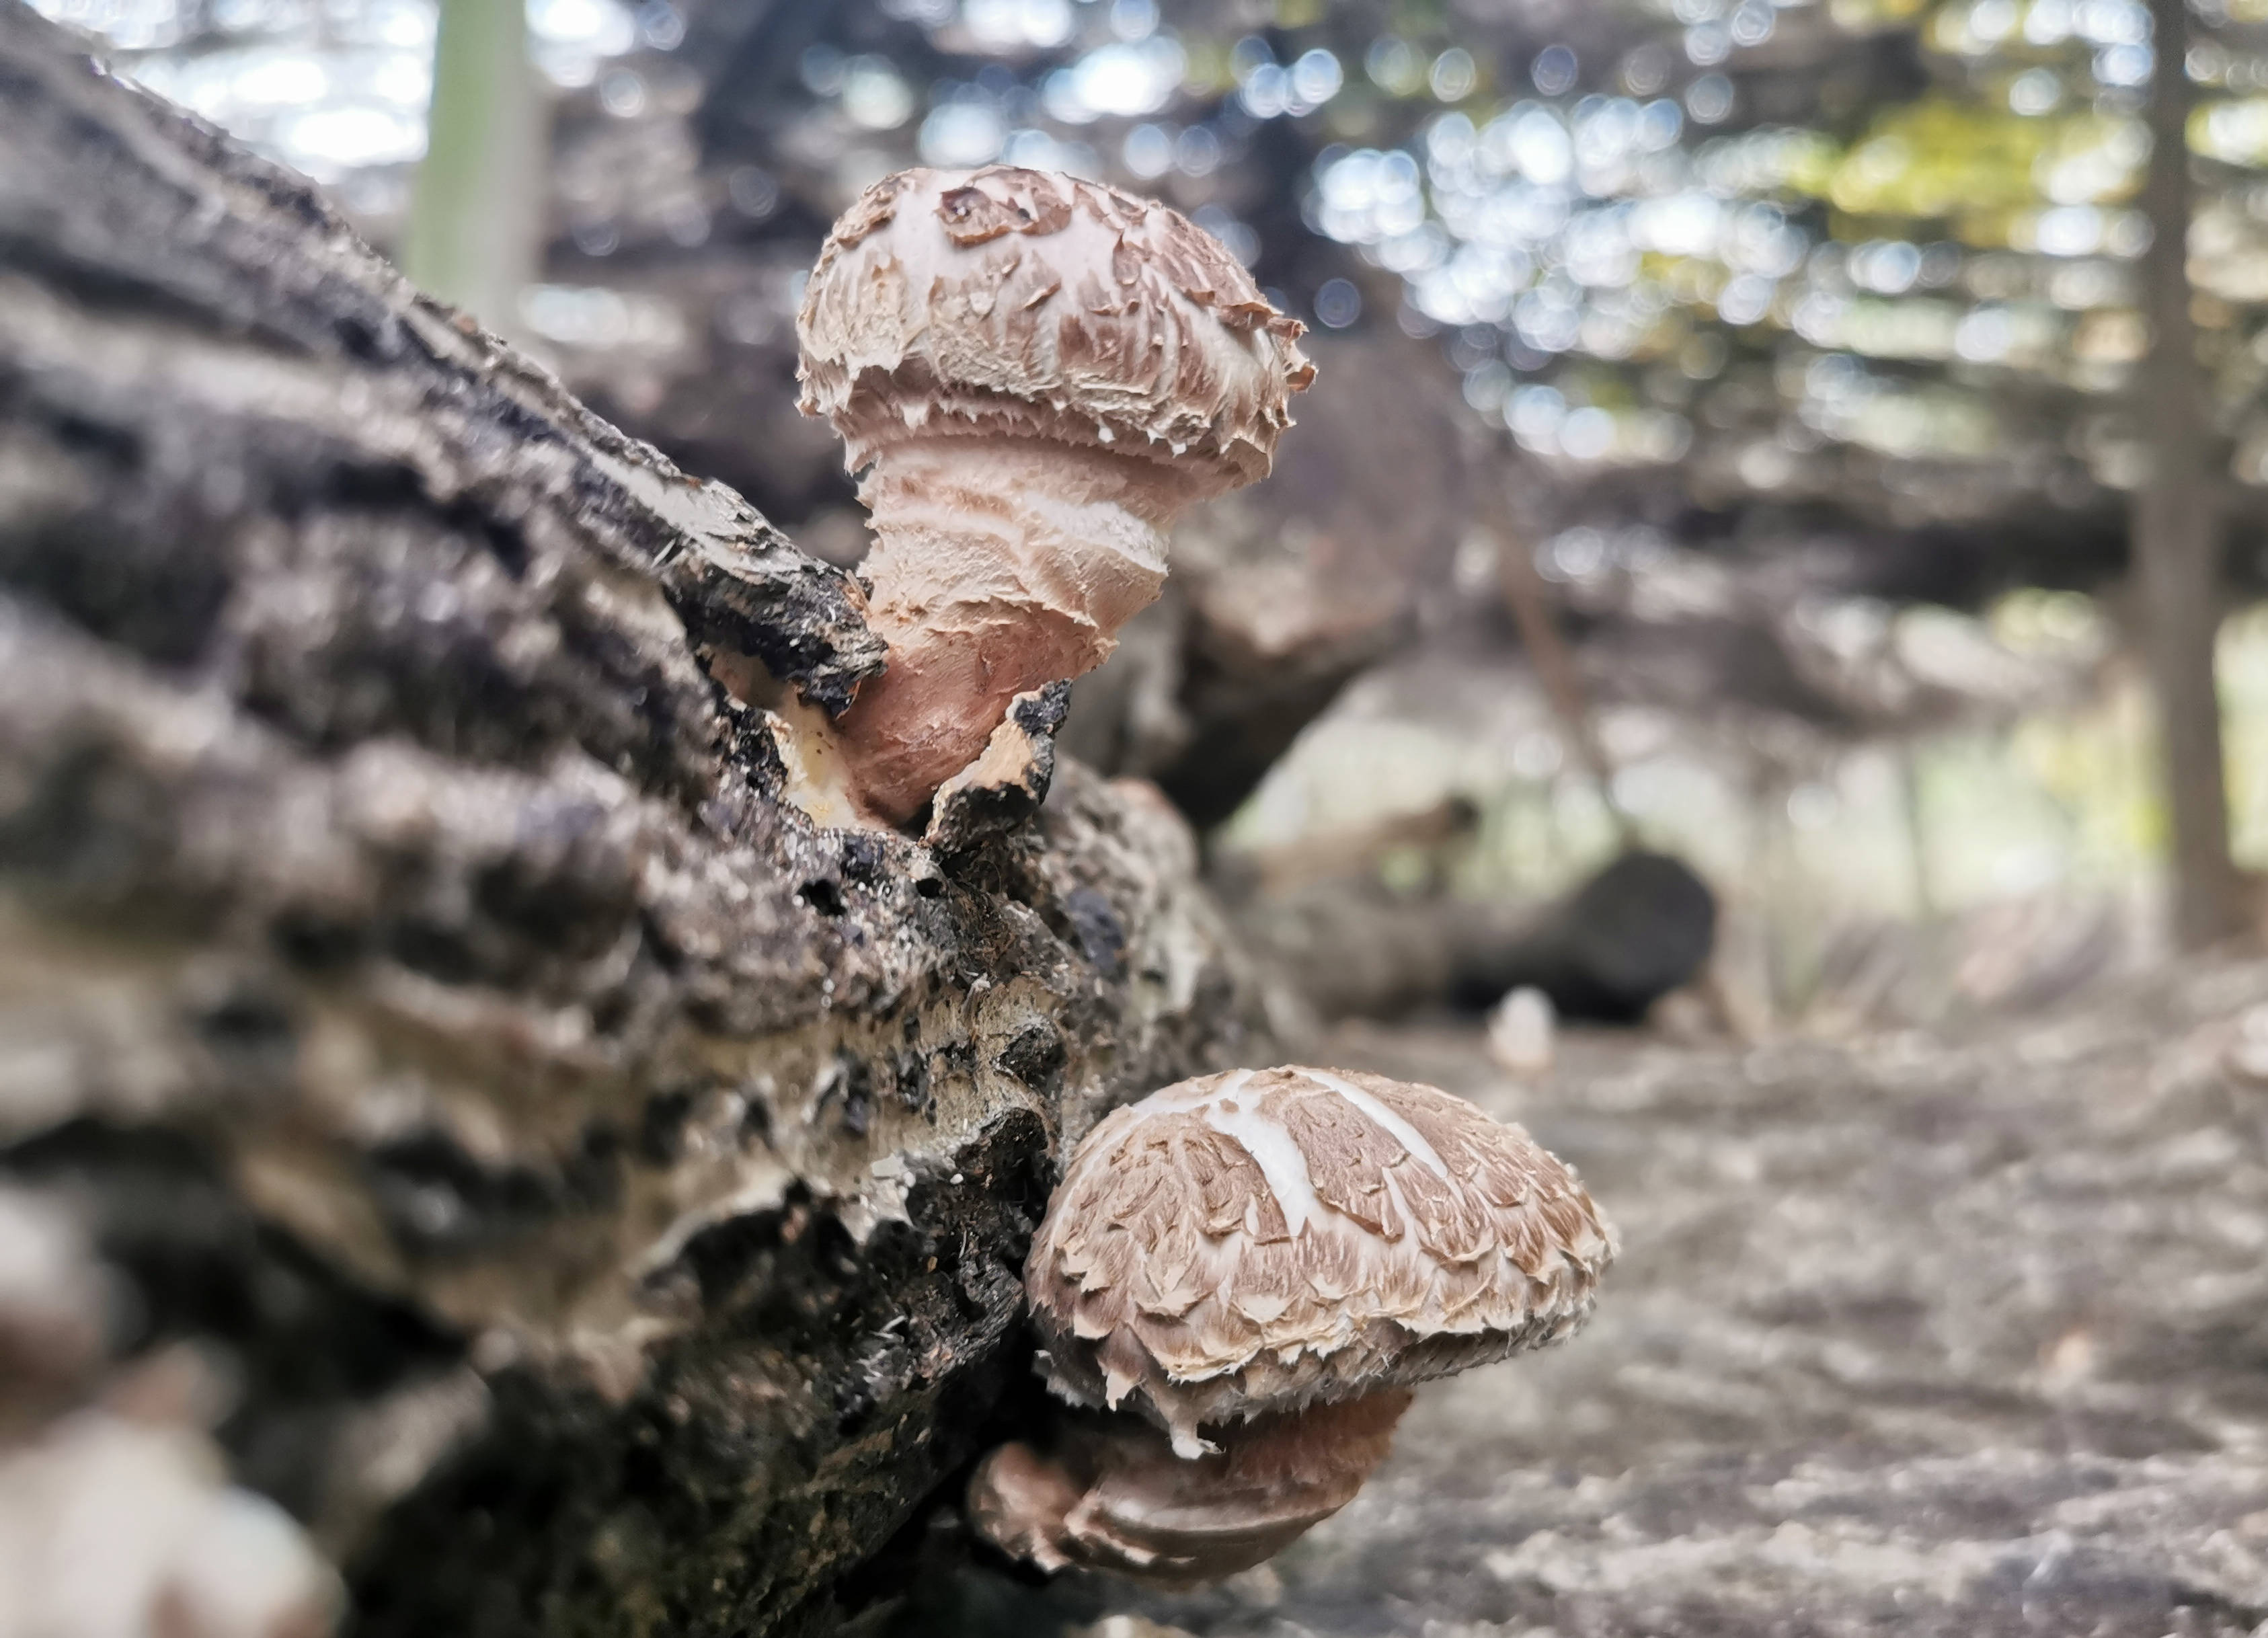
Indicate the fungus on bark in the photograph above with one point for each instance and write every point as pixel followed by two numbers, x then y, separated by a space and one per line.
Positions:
pixel 1237 1284
pixel 1037 373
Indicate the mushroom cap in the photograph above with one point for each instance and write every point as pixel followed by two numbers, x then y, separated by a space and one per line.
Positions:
pixel 1258 1241
pixel 1008 302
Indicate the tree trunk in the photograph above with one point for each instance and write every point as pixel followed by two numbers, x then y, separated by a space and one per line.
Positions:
pixel 2177 519
pixel 593 1197
pixel 476 221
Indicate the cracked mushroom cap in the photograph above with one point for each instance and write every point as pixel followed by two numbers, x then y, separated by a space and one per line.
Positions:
pixel 1021 302
pixel 1262 1240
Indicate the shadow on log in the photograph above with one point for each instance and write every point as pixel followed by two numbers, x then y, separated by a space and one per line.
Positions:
pixel 583 1196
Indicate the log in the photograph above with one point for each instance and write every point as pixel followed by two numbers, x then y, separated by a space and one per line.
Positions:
pixel 1636 929
pixel 456 1092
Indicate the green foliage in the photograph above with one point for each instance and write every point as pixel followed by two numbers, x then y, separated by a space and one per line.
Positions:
pixel 1976 168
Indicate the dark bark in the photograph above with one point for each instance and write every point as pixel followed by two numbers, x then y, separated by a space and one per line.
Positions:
pixel 604 1190
pixel 2177 521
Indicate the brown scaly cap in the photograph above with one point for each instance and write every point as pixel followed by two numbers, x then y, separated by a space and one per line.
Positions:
pixel 1021 302
pixel 1257 1241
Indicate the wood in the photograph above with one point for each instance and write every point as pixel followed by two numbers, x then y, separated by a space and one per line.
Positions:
pixel 2179 523
pixel 603 1193
pixel 1637 928
pixel 476 218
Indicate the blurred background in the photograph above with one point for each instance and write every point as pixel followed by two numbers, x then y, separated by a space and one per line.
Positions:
pixel 1739 431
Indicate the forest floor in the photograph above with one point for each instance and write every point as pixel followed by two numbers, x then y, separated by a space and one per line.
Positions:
pixel 1963 1333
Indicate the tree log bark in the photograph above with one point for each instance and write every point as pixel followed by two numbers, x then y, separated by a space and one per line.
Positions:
pixel 592 1196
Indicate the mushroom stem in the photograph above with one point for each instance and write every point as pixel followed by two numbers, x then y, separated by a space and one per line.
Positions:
pixel 1111 1494
pixel 1000 565
pixel 1040 372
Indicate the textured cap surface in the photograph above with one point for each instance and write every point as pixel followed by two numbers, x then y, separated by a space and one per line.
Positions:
pixel 1255 1240
pixel 1016 302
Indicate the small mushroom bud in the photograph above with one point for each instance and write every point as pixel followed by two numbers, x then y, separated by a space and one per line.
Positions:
pixel 1236 1284
pixel 1037 373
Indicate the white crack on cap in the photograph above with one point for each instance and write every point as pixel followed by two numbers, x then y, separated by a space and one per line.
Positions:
pixel 1005 300
pixel 1259 1241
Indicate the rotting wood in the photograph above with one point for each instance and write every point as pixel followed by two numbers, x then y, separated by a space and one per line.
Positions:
pixel 603 1190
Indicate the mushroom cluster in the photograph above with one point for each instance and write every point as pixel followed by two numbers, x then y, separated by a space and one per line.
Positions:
pixel 1237 1284
pixel 1036 373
